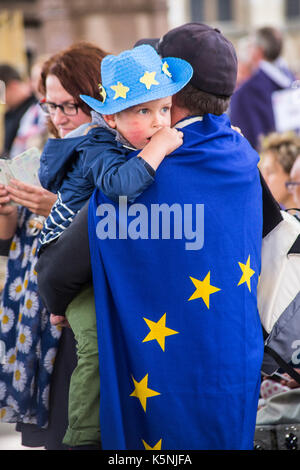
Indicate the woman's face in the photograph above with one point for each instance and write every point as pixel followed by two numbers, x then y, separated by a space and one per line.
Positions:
pixel 275 177
pixel 55 93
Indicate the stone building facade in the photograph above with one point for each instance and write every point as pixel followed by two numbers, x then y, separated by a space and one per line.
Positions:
pixel 112 24
pixel 116 24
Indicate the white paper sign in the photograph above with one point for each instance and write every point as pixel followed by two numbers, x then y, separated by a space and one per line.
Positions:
pixel 23 167
pixel 286 108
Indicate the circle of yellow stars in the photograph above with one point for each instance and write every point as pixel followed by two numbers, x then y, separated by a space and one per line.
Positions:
pixel 159 331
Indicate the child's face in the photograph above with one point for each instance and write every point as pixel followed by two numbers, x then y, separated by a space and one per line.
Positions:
pixel 139 123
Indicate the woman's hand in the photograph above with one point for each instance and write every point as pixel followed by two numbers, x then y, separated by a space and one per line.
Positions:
pixel 8 215
pixel 5 208
pixel 59 320
pixel 37 199
pixel 290 382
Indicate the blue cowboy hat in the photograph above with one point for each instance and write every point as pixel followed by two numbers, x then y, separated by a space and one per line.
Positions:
pixel 137 76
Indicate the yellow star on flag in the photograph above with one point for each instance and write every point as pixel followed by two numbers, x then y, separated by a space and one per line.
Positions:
pixel 203 289
pixel 156 447
pixel 120 90
pixel 158 331
pixel 165 69
pixel 247 273
pixel 142 392
pixel 148 79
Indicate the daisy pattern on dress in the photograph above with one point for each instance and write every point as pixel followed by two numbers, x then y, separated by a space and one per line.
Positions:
pixel 49 359
pixel 45 318
pixel 25 390
pixel 32 387
pixel 25 283
pixel 24 340
pixel 16 289
pixel 2 390
pixel 31 304
pixel 33 275
pixel 7 320
pixel 56 331
pixel 32 253
pixel 45 396
pixel 10 360
pixel 6 414
pixel 13 403
pixel 20 376
pixel 15 249
pixel 26 254
pixel 38 349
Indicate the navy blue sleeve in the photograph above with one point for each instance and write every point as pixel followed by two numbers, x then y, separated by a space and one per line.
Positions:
pixel 59 282
pixel 245 113
pixel 106 165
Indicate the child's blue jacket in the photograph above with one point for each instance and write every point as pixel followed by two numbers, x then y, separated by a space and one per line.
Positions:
pixel 73 167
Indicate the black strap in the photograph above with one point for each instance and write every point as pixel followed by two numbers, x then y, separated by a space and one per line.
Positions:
pixel 284 365
pixel 271 210
pixel 295 248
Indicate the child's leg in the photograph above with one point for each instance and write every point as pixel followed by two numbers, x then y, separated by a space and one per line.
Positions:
pixel 84 394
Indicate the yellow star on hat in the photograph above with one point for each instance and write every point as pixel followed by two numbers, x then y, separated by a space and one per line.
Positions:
pixel 120 90
pixel 165 69
pixel 102 92
pixel 148 79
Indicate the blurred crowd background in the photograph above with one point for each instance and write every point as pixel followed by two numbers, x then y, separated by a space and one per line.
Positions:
pixel 265 33
pixel 30 30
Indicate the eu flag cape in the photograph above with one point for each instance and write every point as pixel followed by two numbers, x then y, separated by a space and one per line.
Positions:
pixel 180 340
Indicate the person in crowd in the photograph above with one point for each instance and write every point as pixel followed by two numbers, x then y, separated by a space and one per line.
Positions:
pixel 180 340
pixel 34 394
pixel 33 130
pixel 293 184
pixel 251 106
pixel 246 65
pixel 139 119
pixel 19 99
pixel 278 154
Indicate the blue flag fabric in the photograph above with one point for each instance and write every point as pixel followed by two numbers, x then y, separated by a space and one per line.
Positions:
pixel 180 339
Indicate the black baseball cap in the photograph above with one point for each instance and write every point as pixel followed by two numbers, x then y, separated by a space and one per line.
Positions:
pixel 211 55
pixel 151 42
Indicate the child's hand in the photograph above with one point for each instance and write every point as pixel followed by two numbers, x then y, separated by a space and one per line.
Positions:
pixel 168 139
pixel 163 142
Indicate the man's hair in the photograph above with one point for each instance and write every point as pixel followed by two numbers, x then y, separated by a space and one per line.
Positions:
pixel 200 102
pixel 78 69
pixel 8 74
pixel 270 41
pixel 285 147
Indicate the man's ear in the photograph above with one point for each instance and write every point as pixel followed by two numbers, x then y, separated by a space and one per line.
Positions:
pixel 110 120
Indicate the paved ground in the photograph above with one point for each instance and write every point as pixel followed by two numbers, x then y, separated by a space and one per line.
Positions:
pixel 9 438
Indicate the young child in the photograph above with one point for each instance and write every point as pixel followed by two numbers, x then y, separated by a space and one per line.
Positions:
pixel 135 107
